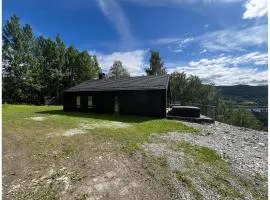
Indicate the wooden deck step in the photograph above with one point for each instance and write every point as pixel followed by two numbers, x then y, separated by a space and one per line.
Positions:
pixel 201 119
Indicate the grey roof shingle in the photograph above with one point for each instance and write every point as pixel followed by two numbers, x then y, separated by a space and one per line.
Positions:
pixel 126 83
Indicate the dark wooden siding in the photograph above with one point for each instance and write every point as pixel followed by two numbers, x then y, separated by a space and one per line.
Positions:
pixel 146 102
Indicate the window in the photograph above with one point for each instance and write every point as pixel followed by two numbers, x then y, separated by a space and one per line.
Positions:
pixel 116 105
pixel 78 101
pixel 90 102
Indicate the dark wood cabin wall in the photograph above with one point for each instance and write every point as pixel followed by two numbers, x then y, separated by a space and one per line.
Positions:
pixel 140 102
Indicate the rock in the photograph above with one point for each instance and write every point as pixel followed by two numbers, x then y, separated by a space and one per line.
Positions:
pixel 208 133
pixel 110 174
pixel 261 144
pixel 257 156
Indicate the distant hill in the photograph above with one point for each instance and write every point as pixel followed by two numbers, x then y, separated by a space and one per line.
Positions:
pixel 245 94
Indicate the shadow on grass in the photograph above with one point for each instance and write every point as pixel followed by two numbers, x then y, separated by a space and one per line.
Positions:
pixel 110 117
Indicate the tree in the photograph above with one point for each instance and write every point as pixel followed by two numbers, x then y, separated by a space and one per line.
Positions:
pixel 229 114
pixel 96 65
pixel 117 70
pixel 178 86
pixel 12 37
pixel 156 64
pixel 86 67
pixel 71 63
pixel 189 90
pixel 39 67
pixel 19 63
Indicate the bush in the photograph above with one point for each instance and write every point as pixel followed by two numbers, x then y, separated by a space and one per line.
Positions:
pixel 238 117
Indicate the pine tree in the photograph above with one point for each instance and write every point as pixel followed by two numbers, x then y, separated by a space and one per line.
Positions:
pixel 156 64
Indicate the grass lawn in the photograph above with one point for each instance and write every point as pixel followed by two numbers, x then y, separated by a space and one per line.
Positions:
pixel 39 138
pixel 41 121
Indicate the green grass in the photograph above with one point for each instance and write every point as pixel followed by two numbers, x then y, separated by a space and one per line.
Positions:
pixel 139 133
pixel 200 153
pixel 17 123
pixel 205 165
pixel 188 183
pixel 39 145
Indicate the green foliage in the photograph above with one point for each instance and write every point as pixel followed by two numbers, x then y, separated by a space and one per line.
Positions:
pixel 237 116
pixel 19 62
pixel 37 66
pixel 156 64
pixel 243 94
pixel 188 90
pixel 117 70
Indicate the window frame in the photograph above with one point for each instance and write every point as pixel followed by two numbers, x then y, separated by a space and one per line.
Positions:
pixel 116 104
pixel 88 98
pixel 78 101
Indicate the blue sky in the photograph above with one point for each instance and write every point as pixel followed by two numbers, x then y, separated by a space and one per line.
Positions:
pixel 221 41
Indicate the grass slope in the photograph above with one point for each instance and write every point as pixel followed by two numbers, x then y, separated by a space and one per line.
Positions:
pixel 33 144
pixel 18 119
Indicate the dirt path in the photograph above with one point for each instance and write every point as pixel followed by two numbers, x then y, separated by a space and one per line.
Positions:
pixel 106 174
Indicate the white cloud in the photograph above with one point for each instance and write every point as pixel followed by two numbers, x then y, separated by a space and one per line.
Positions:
pixel 133 61
pixel 227 70
pixel 221 70
pixel 254 58
pixel 113 11
pixel 231 39
pixel 167 3
pixel 164 41
pixel 185 41
pixel 203 51
pixel 178 50
pixel 255 9
pixel 179 42
pixel 225 40
pixel 182 44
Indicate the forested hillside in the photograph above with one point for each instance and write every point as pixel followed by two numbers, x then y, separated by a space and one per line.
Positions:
pixel 245 94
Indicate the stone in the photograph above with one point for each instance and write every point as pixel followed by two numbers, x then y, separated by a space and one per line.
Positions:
pixel 261 144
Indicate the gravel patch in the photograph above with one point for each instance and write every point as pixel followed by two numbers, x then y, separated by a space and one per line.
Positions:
pixel 73 131
pixel 240 173
pixel 103 124
pixel 38 118
pixel 60 177
pixel 85 127
pixel 245 149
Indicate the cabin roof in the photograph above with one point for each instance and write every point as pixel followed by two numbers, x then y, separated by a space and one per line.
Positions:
pixel 125 83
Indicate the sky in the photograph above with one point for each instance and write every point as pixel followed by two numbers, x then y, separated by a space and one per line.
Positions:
pixel 224 42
